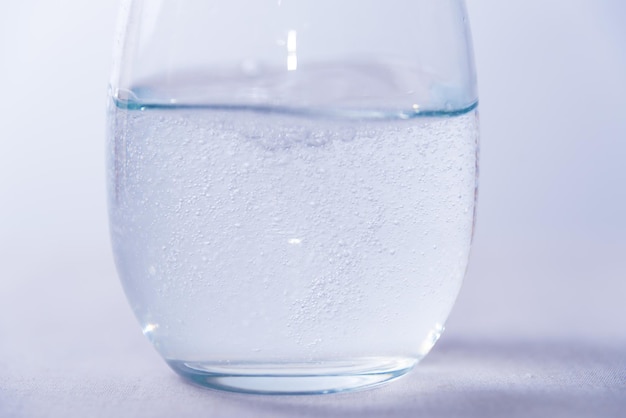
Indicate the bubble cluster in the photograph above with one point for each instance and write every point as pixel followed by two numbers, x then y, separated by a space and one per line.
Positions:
pixel 239 228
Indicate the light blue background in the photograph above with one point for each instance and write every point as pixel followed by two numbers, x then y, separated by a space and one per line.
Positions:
pixel 549 260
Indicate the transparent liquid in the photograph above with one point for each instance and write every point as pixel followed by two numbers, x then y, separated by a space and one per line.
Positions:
pixel 259 249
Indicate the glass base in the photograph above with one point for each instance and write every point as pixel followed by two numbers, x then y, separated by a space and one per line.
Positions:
pixel 295 378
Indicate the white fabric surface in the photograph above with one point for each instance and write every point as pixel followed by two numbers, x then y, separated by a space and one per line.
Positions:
pixel 460 379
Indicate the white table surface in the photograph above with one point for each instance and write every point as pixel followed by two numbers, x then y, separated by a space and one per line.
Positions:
pixel 460 379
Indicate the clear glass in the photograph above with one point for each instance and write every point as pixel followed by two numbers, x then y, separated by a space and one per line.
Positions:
pixel 292 185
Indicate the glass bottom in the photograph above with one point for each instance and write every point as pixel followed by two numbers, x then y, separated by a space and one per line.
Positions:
pixel 295 378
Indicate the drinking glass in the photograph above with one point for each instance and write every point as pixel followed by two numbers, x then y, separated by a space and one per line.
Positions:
pixel 292 185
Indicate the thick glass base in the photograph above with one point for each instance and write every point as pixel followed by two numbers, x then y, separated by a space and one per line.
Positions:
pixel 295 378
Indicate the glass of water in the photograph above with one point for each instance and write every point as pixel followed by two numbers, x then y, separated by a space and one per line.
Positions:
pixel 292 185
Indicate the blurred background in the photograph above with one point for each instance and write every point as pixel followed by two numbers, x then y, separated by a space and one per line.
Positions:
pixel 549 258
